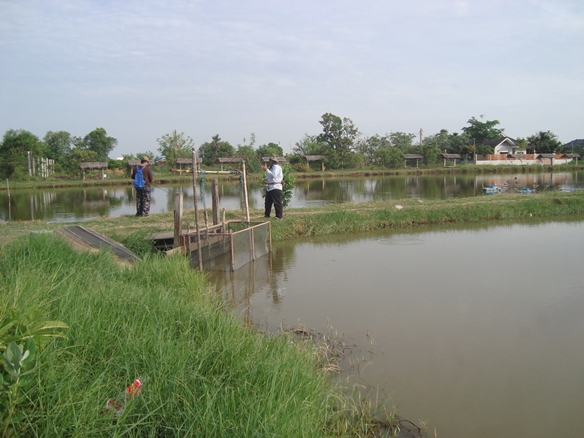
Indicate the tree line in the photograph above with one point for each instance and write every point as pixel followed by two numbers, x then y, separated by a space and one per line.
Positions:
pixel 65 150
pixel 340 144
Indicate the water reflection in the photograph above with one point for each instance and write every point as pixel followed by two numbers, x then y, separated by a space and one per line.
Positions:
pixel 88 203
pixel 477 329
pixel 266 277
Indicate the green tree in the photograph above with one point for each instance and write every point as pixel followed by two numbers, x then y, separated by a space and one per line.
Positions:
pixel 402 140
pixel 14 152
pixel 174 146
pixel 288 186
pixel 431 152
pixel 339 136
pixel 440 140
pixel 58 146
pixel 390 157
pixel 545 142
pixel 75 157
pixel 249 154
pixel 460 144
pixel 480 131
pixel 214 149
pixel 369 147
pixel 309 145
pixel 99 142
pixel 522 143
pixel 269 149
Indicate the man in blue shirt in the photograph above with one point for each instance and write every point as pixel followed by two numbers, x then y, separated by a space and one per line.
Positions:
pixel 273 181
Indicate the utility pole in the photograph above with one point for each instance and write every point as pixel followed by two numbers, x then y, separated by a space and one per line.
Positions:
pixel 421 130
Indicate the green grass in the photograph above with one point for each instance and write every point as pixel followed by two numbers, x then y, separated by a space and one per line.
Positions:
pixel 204 373
pixel 371 216
pixel 339 218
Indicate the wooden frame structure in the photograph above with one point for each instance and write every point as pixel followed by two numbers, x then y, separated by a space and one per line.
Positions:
pixel 102 165
pixel 229 160
pixel 410 157
pixel 188 161
pixel 450 157
pixel 573 156
pixel 320 158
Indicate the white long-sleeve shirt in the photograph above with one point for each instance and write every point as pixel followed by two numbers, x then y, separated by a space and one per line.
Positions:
pixel 274 176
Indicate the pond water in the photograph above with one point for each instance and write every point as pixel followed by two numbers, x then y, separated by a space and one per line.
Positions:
pixel 478 330
pixel 66 205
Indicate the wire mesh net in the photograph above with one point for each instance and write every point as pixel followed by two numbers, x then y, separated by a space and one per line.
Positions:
pixel 220 250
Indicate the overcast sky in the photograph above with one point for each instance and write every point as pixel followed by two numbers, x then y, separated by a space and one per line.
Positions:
pixel 141 69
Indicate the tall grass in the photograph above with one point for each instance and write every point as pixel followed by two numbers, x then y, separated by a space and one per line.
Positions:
pixel 204 373
pixel 375 215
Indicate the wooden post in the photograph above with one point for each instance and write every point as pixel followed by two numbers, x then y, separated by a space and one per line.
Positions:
pixel 196 209
pixel 231 251
pixel 8 189
pixel 246 204
pixel 178 211
pixel 215 200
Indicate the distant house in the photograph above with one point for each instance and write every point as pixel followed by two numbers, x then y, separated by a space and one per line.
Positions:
pixel 450 158
pixel 229 160
pixel 545 158
pixel 571 157
pixel 320 158
pixel 503 145
pixel 101 165
pixel 188 162
pixel 411 159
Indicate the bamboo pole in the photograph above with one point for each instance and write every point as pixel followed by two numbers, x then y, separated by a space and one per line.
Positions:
pixel 246 204
pixel 178 211
pixel 215 200
pixel 196 208
pixel 8 189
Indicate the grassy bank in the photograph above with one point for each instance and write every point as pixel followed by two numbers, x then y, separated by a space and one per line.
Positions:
pixel 203 373
pixel 371 216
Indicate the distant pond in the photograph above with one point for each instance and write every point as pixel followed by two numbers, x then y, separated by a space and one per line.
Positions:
pixel 66 205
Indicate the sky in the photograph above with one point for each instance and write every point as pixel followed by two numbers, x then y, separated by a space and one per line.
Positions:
pixel 141 69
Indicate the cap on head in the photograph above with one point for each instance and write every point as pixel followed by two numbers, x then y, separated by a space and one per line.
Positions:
pixel 145 160
pixel 274 159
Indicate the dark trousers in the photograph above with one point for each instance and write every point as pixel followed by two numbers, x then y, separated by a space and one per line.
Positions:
pixel 274 197
pixel 143 201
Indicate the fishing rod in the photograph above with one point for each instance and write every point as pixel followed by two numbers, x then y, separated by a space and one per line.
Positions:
pixel 158 187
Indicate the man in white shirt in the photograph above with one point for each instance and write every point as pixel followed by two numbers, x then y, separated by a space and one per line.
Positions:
pixel 273 181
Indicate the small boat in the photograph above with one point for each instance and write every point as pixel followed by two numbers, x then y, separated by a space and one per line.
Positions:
pixel 491 190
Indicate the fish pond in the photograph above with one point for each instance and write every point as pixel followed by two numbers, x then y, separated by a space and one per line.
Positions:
pixel 75 204
pixel 476 330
